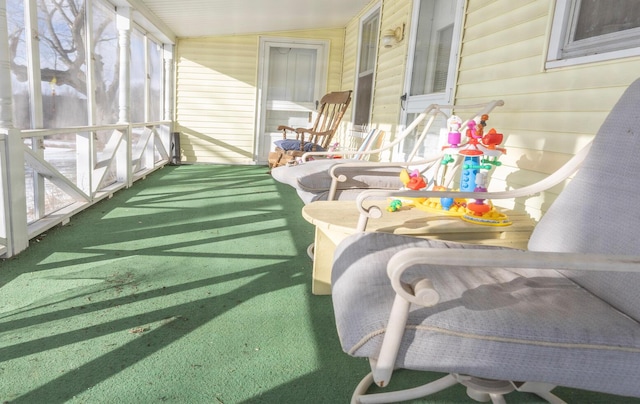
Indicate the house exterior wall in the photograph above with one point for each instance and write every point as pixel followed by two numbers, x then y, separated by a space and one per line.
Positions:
pixel 548 114
pixel 216 94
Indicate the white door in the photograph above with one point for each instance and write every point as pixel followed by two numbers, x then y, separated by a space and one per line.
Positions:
pixel 432 65
pixel 292 79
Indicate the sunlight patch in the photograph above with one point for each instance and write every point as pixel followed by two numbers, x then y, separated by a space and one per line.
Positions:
pixel 68 257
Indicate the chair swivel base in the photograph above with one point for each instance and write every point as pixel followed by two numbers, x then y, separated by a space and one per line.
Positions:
pixel 481 390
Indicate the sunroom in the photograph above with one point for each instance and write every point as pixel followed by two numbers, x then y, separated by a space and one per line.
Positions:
pixel 98 96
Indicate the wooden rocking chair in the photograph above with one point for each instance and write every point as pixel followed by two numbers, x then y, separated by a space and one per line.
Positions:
pixel 296 141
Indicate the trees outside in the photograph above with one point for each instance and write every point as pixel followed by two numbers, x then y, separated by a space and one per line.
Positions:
pixel 71 55
pixel 63 54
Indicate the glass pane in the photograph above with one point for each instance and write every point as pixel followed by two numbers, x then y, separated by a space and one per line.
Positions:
pixel 60 152
pixel 104 141
pixel 369 44
pixel 138 76
pixel 433 47
pixel 63 69
pixel 106 60
pixel 19 75
pixel 597 17
pixel 29 175
pixel 55 198
pixel 363 103
pixel 443 53
pixel 290 72
pixel 368 53
pixel 155 81
pixel 138 143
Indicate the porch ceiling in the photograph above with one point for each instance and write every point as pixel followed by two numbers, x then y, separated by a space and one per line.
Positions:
pixel 193 18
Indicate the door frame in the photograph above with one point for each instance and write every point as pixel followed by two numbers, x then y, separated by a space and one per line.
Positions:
pixel 322 71
pixel 452 77
pixel 448 96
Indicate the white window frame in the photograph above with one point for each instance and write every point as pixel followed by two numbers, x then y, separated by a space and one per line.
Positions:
pixel 377 9
pixel 562 53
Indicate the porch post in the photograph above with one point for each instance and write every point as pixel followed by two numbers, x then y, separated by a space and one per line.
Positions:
pixel 124 42
pixel 123 23
pixel 168 83
pixel 13 205
pixel 6 110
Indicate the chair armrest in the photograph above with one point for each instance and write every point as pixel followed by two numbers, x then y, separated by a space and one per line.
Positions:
pixel 340 152
pixel 286 128
pixel 302 131
pixel 373 164
pixel 431 111
pixel 313 136
pixel 424 294
pixel 369 165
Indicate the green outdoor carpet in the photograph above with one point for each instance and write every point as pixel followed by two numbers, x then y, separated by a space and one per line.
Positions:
pixel 193 286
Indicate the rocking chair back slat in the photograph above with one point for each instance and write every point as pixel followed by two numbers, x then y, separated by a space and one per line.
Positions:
pixel 332 108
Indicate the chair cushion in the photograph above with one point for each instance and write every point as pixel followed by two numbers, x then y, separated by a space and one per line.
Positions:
pixel 314 176
pixel 595 212
pixel 528 325
pixel 293 144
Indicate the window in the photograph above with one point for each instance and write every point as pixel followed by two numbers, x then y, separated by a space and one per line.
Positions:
pixel 586 31
pixel 19 71
pixel 63 66
pixel 106 64
pixel 138 77
pixel 146 78
pixel 366 70
pixel 434 42
pixel 155 75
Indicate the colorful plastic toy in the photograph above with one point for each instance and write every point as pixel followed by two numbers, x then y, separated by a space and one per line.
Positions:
pixel 394 205
pixel 412 180
pixel 479 155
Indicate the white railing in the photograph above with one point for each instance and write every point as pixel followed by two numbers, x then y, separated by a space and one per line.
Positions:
pixel 70 169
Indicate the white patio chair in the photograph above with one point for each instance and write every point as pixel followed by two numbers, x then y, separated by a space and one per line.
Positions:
pixel 498 320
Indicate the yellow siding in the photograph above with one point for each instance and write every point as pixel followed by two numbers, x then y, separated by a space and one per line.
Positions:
pixel 216 93
pixel 548 115
pixel 349 63
pixel 391 65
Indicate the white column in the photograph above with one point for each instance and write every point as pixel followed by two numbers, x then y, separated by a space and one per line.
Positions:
pixel 13 212
pixel 6 110
pixel 168 82
pixel 123 23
